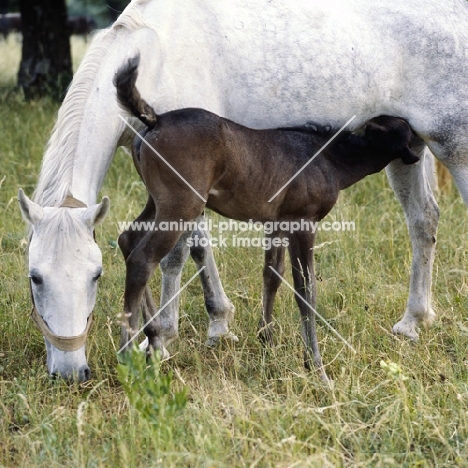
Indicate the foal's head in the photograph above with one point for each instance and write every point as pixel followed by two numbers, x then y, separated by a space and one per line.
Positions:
pixel 394 135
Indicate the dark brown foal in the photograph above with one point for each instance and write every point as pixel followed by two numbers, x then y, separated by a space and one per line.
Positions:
pixel 235 171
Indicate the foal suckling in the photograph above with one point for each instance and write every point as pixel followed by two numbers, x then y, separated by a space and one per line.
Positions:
pixel 237 170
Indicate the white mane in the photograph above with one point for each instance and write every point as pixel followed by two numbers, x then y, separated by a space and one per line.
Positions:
pixel 57 166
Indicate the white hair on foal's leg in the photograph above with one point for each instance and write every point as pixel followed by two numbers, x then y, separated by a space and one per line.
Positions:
pixel 143 345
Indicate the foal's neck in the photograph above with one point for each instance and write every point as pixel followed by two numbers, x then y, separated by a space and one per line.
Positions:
pixel 354 167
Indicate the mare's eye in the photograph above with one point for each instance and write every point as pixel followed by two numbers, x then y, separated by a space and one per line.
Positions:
pixel 36 279
pixel 97 276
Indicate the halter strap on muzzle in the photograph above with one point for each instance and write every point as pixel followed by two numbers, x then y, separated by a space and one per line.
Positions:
pixel 63 343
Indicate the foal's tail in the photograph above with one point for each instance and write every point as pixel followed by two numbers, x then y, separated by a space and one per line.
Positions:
pixel 129 97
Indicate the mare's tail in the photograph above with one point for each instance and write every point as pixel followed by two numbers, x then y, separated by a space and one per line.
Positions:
pixel 129 97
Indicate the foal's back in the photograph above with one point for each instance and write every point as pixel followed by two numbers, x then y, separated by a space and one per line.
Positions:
pixel 235 168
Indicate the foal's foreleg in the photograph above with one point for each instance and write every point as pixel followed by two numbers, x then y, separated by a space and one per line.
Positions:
pixel 300 251
pixel 274 266
pixel 171 267
pixel 141 263
pixel 220 309
pixel 128 240
pixel 412 189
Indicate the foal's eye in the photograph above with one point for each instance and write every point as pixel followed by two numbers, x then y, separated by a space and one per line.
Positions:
pixel 36 279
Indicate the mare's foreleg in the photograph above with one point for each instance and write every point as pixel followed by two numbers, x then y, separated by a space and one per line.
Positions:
pixel 411 187
pixel 220 309
pixel 274 266
pixel 301 254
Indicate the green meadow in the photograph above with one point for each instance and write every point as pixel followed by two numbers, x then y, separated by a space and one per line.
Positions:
pixel 393 403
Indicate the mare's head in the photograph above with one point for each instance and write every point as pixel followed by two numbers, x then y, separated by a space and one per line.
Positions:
pixel 64 265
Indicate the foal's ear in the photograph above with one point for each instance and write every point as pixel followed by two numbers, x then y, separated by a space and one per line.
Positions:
pixel 95 215
pixel 378 133
pixel 32 212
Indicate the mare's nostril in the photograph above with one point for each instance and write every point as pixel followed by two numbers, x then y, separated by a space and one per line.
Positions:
pixel 86 374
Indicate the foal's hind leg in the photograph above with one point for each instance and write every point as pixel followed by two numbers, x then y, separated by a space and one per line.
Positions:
pixel 220 309
pixel 274 258
pixel 412 189
pixel 301 254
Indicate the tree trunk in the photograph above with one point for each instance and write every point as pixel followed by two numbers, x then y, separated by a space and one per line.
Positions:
pixel 45 67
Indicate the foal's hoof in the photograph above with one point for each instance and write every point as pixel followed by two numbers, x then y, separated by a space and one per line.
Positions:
pixel 214 340
pixel 324 378
pixel 143 346
pixel 265 335
pixel 163 353
pixel 156 345
pixel 317 366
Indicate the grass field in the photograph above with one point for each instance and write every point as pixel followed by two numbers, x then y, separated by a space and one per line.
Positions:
pixel 247 406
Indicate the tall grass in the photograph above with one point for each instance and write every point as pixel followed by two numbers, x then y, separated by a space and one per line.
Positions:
pixel 248 406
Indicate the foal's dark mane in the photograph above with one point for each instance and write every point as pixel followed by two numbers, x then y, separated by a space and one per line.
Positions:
pixel 310 127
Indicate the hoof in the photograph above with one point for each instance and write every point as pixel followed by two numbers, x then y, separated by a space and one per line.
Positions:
pixel 214 340
pixel 143 346
pixel 430 318
pixel 312 365
pixel 407 329
pixel 410 322
pixel 266 337
pixel 164 353
pixel 156 345
pixel 325 380
pixel 265 334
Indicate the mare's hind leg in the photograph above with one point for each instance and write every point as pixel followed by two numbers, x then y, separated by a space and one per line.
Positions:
pixel 301 254
pixel 274 258
pixel 460 176
pixel 220 309
pixel 412 189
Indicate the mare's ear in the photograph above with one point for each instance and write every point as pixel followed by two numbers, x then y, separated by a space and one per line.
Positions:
pixel 409 157
pixel 32 212
pixel 95 215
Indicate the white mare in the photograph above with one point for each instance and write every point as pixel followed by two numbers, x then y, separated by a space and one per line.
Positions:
pixel 263 64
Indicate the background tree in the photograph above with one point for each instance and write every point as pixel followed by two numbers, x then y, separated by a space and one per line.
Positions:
pixel 104 12
pixel 46 67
